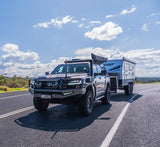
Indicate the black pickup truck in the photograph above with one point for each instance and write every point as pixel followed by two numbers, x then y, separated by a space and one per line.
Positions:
pixel 77 82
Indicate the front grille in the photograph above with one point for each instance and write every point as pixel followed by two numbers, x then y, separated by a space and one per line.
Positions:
pixel 49 85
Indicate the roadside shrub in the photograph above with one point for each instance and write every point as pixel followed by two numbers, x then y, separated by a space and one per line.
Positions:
pixel 4 88
pixel 14 82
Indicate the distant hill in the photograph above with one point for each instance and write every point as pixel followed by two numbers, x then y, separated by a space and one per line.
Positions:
pixel 148 79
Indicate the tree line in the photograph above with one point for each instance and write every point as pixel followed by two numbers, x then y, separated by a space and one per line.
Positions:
pixel 13 82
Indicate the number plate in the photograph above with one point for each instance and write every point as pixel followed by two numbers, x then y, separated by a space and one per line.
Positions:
pixel 45 96
pixel 37 95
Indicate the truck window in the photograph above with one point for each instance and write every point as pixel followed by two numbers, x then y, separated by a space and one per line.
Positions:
pixel 72 68
pixel 126 67
pixel 130 67
pixel 99 69
pixel 94 69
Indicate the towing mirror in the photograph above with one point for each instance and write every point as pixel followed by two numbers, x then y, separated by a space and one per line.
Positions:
pixel 95 74
pixel 46 73
pixel 103 72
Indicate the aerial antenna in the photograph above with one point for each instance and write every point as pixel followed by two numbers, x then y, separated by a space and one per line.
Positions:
pixel 65 68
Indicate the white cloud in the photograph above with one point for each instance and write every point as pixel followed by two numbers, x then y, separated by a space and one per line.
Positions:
pixel 158 22
pixel 83 19
pixel 16 62
pixel 74 21
pixel 10 48
pixel 125 11
pixel 109 53
pixel 81 25
pixel 28 63
pixel 145 27
pixel 56 22
pixel 109 16
pixel 154 14
pixel 14 55
pixel 66 19
pixel 95 22
pixel 147 60
pixel 108 31
pixel 87 27
pixel 42 25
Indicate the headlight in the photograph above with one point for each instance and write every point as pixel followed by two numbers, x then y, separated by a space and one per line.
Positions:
pixel 74 82
pixel 38 84
pixel 32 83
pixel 69 84
pixel 53 84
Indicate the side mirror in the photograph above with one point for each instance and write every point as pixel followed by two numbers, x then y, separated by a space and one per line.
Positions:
pixel 46 73
pixel 95 74
pixel 103 72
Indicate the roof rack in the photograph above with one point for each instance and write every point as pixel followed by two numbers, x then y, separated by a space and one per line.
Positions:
pixel 94 58
pixel 78 60
pixel 98 59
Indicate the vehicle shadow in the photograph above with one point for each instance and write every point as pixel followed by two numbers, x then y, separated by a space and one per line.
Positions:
pixel 119 97
pixel 62 118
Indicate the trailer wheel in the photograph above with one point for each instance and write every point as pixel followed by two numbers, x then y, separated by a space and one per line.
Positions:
pixel 128 89
pixel 86 103
pixel 131 92
pixel 106 99
pixel 39 104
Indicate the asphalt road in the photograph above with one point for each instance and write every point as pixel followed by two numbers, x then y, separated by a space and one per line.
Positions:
pixel 129 121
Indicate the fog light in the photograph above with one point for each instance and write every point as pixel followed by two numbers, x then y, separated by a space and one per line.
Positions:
pixel 67 93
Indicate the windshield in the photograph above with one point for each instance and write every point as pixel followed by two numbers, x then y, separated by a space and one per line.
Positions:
pixel 72 68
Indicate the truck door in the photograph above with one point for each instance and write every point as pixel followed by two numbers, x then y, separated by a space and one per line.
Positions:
pixel 101 79
pixel 97 80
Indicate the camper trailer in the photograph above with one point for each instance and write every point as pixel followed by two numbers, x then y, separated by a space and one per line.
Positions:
pixel 122 74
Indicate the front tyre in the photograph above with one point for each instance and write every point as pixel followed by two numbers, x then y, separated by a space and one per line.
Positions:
pixel 39 104
pixel 86 103
pixel 106 99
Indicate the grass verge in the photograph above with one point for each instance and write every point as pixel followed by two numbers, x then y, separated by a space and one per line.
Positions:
pixel 147 83
pixel 4 89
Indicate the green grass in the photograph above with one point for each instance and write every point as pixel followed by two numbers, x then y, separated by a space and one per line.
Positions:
pixel 4 89
pixel 147 83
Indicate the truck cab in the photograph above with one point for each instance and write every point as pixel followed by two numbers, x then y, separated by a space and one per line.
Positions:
pixel 77 82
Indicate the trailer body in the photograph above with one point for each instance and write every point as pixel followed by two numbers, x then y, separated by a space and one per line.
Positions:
pixel 121 72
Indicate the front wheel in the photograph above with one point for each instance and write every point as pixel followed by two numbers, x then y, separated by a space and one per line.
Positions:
pixel 86 103
pixel 106 99
pixel 39 104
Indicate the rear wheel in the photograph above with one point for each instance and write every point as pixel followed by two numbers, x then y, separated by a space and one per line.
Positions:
pixel 106 99
pixel 86 103
pixel 39 104
pixel 128 89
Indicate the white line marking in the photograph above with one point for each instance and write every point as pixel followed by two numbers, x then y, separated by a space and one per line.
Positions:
pixel 8 97
pixel 106 142
pixel 15 112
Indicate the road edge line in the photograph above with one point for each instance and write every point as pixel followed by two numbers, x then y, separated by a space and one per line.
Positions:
pixel 15 112
pixel 106 142
pixel 8 97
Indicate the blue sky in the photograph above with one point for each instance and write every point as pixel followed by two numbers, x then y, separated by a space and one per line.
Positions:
pixel 36 35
